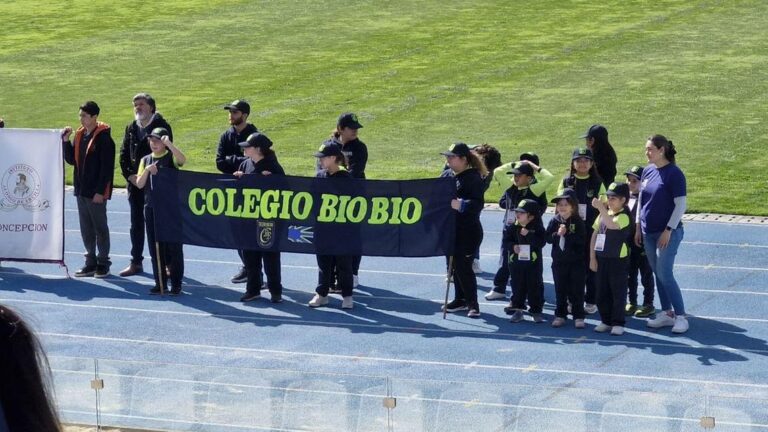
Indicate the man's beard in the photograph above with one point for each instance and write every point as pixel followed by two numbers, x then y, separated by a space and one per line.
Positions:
pixel 141 117
pixel 237 122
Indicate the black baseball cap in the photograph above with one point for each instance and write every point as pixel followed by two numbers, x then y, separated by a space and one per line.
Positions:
pixel 159 132
pixel 618 189
pixel 522 168
pixel 635 171
pixel 349 120
pixel 530 156
pixel 90 107
pixel 329 149
pixel 239 105
pixel 457 149
pixel 567 193
pixel 582 152
pixel 528 206
pixel 596 131
pixel 256 139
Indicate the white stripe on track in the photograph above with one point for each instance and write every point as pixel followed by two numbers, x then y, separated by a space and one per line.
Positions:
pixel 357 358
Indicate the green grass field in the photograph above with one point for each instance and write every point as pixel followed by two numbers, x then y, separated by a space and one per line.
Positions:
pixel 517 74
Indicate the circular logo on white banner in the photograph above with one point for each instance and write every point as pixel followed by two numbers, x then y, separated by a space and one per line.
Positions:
pixel 21 187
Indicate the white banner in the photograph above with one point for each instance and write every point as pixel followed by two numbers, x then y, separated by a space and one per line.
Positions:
pixel 31 195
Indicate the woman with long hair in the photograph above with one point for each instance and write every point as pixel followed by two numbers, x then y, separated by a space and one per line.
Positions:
pixel 596 140
pixel 26 400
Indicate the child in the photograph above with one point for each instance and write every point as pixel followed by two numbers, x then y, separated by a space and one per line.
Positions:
pixel 170 255
pixel 469 171
pixel 566 234
pixel 610 257
pixel 524 240
pixel 332 161
pixel 638 261
pixel 529 182
pixel 588 185
pixel 261 161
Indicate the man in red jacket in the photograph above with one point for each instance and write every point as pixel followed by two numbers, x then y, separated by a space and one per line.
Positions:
pixel 93 155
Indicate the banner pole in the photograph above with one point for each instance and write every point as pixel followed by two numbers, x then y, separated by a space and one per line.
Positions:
pixel 448 279
pixel 160 269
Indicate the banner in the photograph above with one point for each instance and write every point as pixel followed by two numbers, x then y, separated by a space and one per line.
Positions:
pixel 329 216
pixel 31 195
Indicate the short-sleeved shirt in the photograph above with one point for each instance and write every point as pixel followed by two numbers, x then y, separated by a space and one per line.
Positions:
pixel 615 239
pixel 659 188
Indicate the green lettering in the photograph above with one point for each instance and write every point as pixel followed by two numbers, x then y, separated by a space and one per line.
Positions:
pixel 251 203
pixel 395 218
pixel 356 209
pixel 215 202
pixel 197 201
pixel 285 204
pixel 301 205
pixel 231 210
pixel 379 206
pixel 341 216
pixel 269 204
pixel 411 212
pixel 328 210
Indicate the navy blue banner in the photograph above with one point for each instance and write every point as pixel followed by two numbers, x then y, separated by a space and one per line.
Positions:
pixel 333 216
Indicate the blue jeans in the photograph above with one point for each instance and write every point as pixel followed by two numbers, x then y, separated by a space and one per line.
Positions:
pixel 662 263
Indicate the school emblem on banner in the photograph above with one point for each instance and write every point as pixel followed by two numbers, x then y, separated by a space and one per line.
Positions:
pixel 300 234
pixel 266 234
pixel 21 187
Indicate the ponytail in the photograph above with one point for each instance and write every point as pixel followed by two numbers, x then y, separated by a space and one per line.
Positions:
pixel 661 142
pixel 477 163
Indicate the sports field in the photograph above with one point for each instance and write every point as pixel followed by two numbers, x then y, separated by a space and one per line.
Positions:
pixel 519 75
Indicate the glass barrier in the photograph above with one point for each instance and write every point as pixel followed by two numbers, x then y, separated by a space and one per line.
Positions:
pixel 180 397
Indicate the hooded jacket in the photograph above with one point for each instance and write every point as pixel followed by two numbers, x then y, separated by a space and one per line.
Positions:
pixel 95 169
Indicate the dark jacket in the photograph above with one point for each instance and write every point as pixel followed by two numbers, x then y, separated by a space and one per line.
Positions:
pixel 535 238
pixel 575 240
pixel 95 172
pixel 136 145
pixel 229 154
pixel 512 197
pixel 166 161
pixel 356 153
pixel 342 173
pixel 469 189
pixel 586 189
pixel 605 164
pixel 270 164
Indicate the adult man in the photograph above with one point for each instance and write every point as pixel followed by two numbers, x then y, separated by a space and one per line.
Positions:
pixel 136 146
pixel 92 153
pixel 229 155
pixel 356 153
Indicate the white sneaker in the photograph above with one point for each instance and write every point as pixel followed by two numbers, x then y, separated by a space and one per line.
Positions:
pixel 602 328
pixel 493 295
pixel 681 325
pixel 355 281
pixel 347 303
pixel 617 330
pixel 590 308
pixel 476 267
pixel 661 320
pixel 318 301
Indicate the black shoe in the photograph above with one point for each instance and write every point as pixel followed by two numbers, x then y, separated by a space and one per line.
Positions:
pixel 276 298
pixel 456 305
pixel 250 296
pixel 101 271
pixel 241 276
pixel 509 310
pixel 334 289
pixel 86 271
pixel 176 291
pixel 155 290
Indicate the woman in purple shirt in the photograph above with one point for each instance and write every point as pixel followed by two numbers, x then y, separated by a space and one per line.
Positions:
pixel 660 228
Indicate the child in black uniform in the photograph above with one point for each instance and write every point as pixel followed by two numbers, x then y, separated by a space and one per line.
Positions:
pixel 164 155
pixel 566 234
pixel 332 161
pixel 610 257
pixel 469 171
pixel 638 261
pixel 524 241
pixel 261 161
pixel 588 185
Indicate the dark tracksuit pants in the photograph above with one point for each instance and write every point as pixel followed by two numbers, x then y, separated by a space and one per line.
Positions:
pixel 171 255
pixel 356 264
pixel 253 264
pixel 501 278
pixel 464 279
pixel 638 263
pixel 569 287
pixel 589 279
pixel 341 266
pixel 612 289
pixel 136 204
pixel 527 284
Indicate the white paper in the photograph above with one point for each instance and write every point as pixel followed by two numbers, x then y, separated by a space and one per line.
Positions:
pixel 525 253
pixel 600 242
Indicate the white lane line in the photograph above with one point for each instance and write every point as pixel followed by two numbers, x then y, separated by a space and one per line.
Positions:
pixel 74 210
pixel 356 358
pixel 489 331
pixel 163 420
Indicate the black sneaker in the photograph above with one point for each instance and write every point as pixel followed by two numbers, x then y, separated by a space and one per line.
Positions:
pixel 276 298
pixel 456 305
pixel 86 271
pixel 155 290
pixel 250 296
pixel 101 271
pixel 176 291
pixel 509 310
pixel 241 276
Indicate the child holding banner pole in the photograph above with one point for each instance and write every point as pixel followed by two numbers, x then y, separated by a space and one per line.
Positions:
pixel 469 171
pixel 164 155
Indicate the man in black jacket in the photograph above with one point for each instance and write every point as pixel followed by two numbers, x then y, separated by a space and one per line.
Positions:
pixel 136 146
pixel 229 155
pixel 93 155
